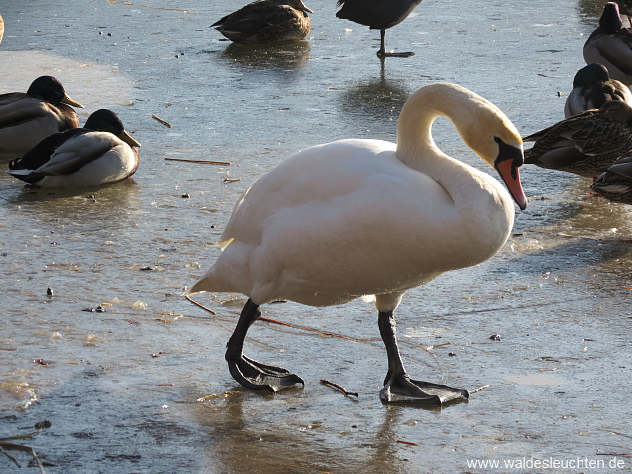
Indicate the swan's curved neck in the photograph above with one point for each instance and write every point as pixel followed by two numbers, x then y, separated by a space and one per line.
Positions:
pixel 414 135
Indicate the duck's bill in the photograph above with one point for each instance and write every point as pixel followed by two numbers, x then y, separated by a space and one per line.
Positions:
pixel 305 9
pixel 511 176
pixel 69 101
pixel 127 138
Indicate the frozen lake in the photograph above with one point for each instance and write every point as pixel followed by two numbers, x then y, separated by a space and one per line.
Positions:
pixel 121 387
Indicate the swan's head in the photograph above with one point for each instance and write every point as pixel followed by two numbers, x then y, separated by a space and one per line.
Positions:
pixel 496 140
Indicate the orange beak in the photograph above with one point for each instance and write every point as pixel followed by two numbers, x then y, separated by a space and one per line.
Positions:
pixel 511 176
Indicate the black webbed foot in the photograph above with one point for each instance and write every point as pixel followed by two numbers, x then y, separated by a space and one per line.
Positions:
pixel 401 389
pixel 258 376
pixel 248 372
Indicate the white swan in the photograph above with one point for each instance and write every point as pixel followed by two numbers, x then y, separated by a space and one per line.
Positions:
pixel 357 217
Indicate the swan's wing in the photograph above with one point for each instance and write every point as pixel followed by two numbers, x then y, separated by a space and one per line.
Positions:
pixel 306 177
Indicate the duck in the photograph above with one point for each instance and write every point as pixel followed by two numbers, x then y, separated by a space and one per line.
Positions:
pixel 265 21
pixel 102 152
pixel 592 86
pixel 585 144
pixel 615 184
pixel 360 217
pixel 378 15
pixel 27 118
pixel 611 45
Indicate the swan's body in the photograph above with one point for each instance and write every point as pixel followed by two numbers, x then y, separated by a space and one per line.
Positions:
pixel 355 217
pixel 592 87
pixel 100 153
pixel 378 15
pixel 611 45
pixel 615 184
pixel 585 144
pixel 27 118
pixel 265 21
pixel 354 202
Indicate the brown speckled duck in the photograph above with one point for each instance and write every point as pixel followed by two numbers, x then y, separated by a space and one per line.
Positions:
pixel 585 144
pixel 592 87
pixel 616 183
pixel 266 21
pixel 27 118
pixel 611 45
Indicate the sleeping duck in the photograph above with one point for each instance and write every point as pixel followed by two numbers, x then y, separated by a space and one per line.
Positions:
pixel 616 183
pixel 592 86
pixel 27 118
pixel 611 45
pixel 101 152
pixel 585 144
pixel 266 21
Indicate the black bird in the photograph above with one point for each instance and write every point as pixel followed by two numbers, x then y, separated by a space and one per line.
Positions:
pixel 378 15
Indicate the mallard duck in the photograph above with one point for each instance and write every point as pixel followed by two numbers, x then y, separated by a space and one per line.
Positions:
pixel 101 152
pixel 586 143
pixel 359 217
pixel 27 118
pixel 266 21
pixel 378 15
pixel 611 45
pixel 616 183
pixel 592 86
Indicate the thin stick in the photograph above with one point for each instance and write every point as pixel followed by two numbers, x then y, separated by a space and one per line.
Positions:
pixel 625 455
pixel 411 443
pixel 429 348
pixel 305 328
pixel 281 323
pixel 200 305
pixel 162 121
pixel 10 457
pixel 21 436
pixel 205 162
pixel 479 389
pixel 37 459
pixel 615 432
pixel 335 386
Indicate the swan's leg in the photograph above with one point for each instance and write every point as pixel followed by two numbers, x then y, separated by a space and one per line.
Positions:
pixel 382 53
pixel 398 386
pixel 248 372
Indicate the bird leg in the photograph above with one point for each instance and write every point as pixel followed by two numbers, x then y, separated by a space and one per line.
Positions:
pixel 248 372
pixel 398 386
pixel 382 53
